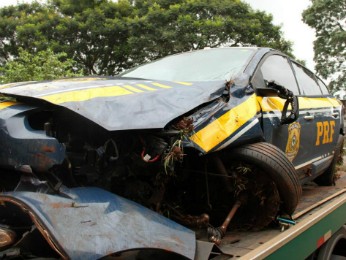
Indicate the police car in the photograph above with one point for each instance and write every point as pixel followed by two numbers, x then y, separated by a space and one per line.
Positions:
pixel 220 137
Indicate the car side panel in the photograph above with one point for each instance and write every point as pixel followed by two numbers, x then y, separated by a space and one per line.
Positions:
pixel 312 137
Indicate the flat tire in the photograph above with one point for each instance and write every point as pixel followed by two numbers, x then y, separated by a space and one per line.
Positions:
pixel 327 178
pixel 273 162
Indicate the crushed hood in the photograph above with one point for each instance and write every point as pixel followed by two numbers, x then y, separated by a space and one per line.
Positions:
pixel 120 103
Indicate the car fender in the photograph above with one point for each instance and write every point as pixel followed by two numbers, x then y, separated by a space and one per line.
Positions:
pixel 231 122
pixel 89 223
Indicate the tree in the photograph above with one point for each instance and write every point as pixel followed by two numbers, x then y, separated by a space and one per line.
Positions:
pixel 94 34
pixel 328 18
pixel 105 37
pixel 12 19
pixel 45 65
pixel 163 27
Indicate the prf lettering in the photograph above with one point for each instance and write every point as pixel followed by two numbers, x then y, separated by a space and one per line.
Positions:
pixel 325 132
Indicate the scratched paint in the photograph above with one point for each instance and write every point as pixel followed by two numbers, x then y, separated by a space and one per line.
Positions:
pixel 100 223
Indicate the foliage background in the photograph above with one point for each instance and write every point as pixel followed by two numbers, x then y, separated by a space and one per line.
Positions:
pixel 44 65
pixel 104 37
pixel 328 18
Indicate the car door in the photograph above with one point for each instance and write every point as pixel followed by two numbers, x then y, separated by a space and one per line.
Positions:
pixel 288 137
pixel 321 113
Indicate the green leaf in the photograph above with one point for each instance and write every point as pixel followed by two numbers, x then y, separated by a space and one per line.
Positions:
pixel 328 18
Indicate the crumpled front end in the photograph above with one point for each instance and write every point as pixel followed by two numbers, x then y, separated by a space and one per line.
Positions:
pixel 166 160
pixel 224 124
pixel 85 223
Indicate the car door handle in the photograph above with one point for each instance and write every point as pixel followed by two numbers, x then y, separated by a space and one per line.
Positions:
pixel 309 117
pixel 335 115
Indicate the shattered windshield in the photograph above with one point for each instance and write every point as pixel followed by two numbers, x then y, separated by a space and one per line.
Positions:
pixel 202 65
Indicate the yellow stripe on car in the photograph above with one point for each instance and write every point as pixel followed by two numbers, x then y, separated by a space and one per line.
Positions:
pixel 15 84
pixel 324 102
pixel 224 126
pixel 145 87
pixel 221 128
pixel 4 105
pixel 86 94
pixel 184 83
pixel 275 103
pixel 160 85
pixel 133 89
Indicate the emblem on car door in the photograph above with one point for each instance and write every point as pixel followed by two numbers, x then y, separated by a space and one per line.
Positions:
pixel 293 141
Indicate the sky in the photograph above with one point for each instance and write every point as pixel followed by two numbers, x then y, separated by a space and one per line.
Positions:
pixel 285 13
pixel 288 14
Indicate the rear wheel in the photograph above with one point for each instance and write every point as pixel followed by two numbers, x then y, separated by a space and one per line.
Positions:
pixel 328 177
pixel 335 247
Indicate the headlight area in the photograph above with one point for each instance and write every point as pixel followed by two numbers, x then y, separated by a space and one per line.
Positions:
pixel 25 148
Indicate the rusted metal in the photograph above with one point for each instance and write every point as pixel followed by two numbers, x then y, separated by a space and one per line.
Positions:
pixel 34 149
pixel 103 221
pixel 230 215
pixel 185 124
pixel 47 235
pixel 7 237
pixel 216 234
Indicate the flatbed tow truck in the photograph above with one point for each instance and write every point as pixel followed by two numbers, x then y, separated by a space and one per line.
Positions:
pixel 317 232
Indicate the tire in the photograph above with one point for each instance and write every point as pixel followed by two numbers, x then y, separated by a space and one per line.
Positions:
pixel 335 247
pixel 327 178
pixel 275 164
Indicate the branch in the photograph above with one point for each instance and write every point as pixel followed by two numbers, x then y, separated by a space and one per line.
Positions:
pixel 340 26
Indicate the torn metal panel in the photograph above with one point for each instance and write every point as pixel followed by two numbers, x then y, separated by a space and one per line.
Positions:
pixel 22 145
pixel 108 101
pixel 89 223
pixel 229 122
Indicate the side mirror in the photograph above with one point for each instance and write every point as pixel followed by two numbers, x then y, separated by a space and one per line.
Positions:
pixel 276 90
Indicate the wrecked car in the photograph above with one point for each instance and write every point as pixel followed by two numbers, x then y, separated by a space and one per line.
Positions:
pixel 210 140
